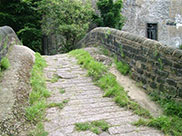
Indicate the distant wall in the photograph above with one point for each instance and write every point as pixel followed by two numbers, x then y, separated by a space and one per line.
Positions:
pixel 7 38
pixel 155 65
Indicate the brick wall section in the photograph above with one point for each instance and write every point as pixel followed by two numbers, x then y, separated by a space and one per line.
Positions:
pixel 157 66
pixel 7 38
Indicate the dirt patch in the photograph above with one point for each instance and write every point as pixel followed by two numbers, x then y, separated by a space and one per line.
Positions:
pixel 14 91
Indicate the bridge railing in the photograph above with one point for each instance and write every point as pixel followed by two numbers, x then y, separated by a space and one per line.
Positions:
pixel 157 66
pixel 7 38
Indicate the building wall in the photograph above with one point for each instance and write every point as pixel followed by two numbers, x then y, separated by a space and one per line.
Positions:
pixel 166 13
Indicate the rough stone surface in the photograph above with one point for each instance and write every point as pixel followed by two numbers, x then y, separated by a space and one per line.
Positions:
pixel 166 13
pixel 86 103
pixel 7 38
pixel 14 91
pixel 157 66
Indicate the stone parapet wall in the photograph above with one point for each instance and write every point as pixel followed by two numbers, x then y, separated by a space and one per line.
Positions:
pixel 7 38
pixel 157 66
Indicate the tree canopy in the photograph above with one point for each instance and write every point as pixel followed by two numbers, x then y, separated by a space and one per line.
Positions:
pixel 110 13
pixel 24 18
pixel 68 18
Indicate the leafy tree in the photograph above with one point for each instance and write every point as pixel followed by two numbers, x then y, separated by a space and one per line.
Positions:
pixel 68 18
pixel 24 18
pixel 110 14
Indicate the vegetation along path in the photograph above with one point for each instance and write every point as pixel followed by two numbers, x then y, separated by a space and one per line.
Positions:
pixel 77 107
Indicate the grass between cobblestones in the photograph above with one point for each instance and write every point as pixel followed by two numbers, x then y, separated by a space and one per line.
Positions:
pixel 96 127
pixel 37 98
pixel 107 82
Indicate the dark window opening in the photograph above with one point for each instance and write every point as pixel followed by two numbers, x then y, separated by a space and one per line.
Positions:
pixel 152 31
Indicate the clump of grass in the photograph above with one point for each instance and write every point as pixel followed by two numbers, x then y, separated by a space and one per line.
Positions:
pixel 4 64
pixel 107 82
pixel 83 126
pixel 54 79
pixel 39 131
pixel 122 67
pixel 37 98
pixel 171 122
pixel 59 105
pixel 62 91
pixel 180 47
pixel 96 127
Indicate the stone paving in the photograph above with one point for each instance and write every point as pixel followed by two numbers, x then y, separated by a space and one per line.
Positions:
pixel 85 104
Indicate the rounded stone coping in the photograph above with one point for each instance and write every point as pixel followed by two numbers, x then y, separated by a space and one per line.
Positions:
pixel 143 41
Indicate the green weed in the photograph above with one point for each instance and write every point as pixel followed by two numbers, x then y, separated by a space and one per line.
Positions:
pixel 54 79
pixel 4 64
pixel 83 126
pixel 37 98
pixel 59 105
pixel 62 91
pixel 96 126
pixel 39 131
pixel 171 122
pixel 122 67
pixel 107 82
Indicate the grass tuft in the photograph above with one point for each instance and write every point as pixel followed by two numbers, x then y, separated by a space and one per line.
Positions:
pixel 96 127
pixel 54 79
pixel 37 98
pixel 122 67
pixel 62 91
pixel 39 131
pixel 171 122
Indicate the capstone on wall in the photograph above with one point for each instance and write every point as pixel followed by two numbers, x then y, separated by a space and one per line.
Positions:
pixel 7 38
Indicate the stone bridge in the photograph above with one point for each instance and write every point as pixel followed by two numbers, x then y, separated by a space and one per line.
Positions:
pixel 156 66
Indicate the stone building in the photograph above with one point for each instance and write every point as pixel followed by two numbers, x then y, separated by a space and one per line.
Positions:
pixel 156 19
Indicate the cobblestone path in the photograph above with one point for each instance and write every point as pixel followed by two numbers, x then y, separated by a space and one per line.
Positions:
pixel 85 103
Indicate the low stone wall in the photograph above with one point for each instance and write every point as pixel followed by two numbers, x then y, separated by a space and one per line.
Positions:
pixel 157 66
pixel 7 38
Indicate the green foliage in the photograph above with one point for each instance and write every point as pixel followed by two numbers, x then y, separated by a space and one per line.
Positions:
pixel 171 122
pixel 83 126
pixel 180 47
pixel 62 91
pixel 39 131
pixel 59 105
pixel 4 64
pixel 96 126
pixel 54 79
pixel 107 82
pixel 101 124
pixel 39 92
pixel 24 18
pixel 169 125
pixel 122 67
pixel 110 14
pixel 68 18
